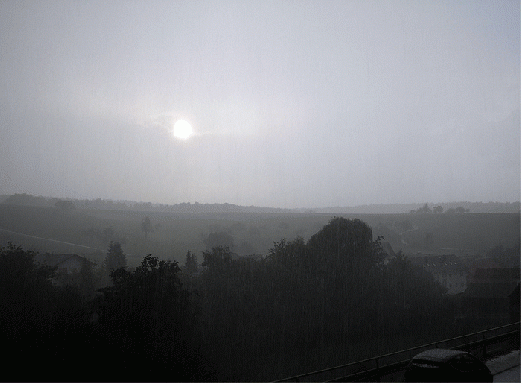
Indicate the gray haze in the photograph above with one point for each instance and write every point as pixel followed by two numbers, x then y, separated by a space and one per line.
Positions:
pixel 293 103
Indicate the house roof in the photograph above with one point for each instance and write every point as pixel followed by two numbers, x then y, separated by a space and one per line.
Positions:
pixel 492 282
pixel 484 263
pixel 440 263
pixel 490 290
pixel 55 260
pixel 495 275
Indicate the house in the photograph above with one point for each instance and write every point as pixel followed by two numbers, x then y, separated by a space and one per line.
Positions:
pixel 388 252
pixel 447 269
pixel 66 263
pixel 67 266
pixel 491 288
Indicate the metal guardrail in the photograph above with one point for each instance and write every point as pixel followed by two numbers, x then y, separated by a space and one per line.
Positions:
pixel 478 343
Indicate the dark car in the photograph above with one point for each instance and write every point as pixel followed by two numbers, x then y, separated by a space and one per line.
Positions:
pixel 440 365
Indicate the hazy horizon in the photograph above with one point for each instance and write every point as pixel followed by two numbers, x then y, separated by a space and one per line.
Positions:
pixel 380 208
pixel 293 104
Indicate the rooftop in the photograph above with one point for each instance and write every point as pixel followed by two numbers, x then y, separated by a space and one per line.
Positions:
pixel 54 260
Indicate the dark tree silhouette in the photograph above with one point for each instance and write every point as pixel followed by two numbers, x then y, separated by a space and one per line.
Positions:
pixel 25 291
pixel 115 258
pixel 346 241
pixel 218 259
pixel 221 239
pixel 191 265
pixel 147 321
pixel 40 322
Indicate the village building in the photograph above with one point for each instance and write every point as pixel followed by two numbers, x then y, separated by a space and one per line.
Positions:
pixel 491 290
pixel 68 267
pixel 447 269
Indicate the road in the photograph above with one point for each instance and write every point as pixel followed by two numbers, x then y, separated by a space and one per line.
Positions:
pixel 47 239
pixel 55 240
pixel 511 375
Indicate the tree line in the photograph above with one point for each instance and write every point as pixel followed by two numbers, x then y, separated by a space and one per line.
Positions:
pixel 305 305
pixel 137 329
pixel 313 305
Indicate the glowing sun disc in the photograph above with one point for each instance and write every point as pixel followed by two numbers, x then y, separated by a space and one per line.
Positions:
pixel 182 129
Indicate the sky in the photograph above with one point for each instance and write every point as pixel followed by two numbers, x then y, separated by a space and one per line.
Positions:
pixel 293 104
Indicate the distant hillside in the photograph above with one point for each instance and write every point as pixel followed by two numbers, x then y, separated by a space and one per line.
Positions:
pixel 447 207
pixel 194 208
pixel 101 204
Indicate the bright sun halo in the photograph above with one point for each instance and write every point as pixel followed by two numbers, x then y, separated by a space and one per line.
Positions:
pixel 182 129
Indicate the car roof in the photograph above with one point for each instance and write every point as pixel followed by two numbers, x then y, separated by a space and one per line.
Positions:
pixel 438 355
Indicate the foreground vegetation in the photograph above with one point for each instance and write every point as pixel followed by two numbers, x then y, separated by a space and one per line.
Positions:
pixel 308 304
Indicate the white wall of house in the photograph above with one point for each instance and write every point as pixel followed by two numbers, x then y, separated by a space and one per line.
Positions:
pixel 454 282
pixel 71 265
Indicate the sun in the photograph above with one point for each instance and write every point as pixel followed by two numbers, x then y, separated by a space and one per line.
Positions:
pixel 182 129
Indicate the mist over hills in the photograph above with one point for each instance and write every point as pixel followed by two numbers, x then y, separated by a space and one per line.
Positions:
pixel 187 207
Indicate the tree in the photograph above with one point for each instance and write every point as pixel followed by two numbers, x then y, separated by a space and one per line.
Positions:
pixel 437 209
pixel 411 287
pixel 425 209
pixel 218 259
pixel 221 239
pixel 40 322
pixel 344 241
pixel 147 320
pixel 115 258
pixel 309 305
pixel 107 234
pixel 86 280
pixel 191 265
pixel 347 262
pixel 146 226
pixel 25 291
pixel 290 254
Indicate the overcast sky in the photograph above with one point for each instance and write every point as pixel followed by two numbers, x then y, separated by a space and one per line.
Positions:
pixel 292 103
